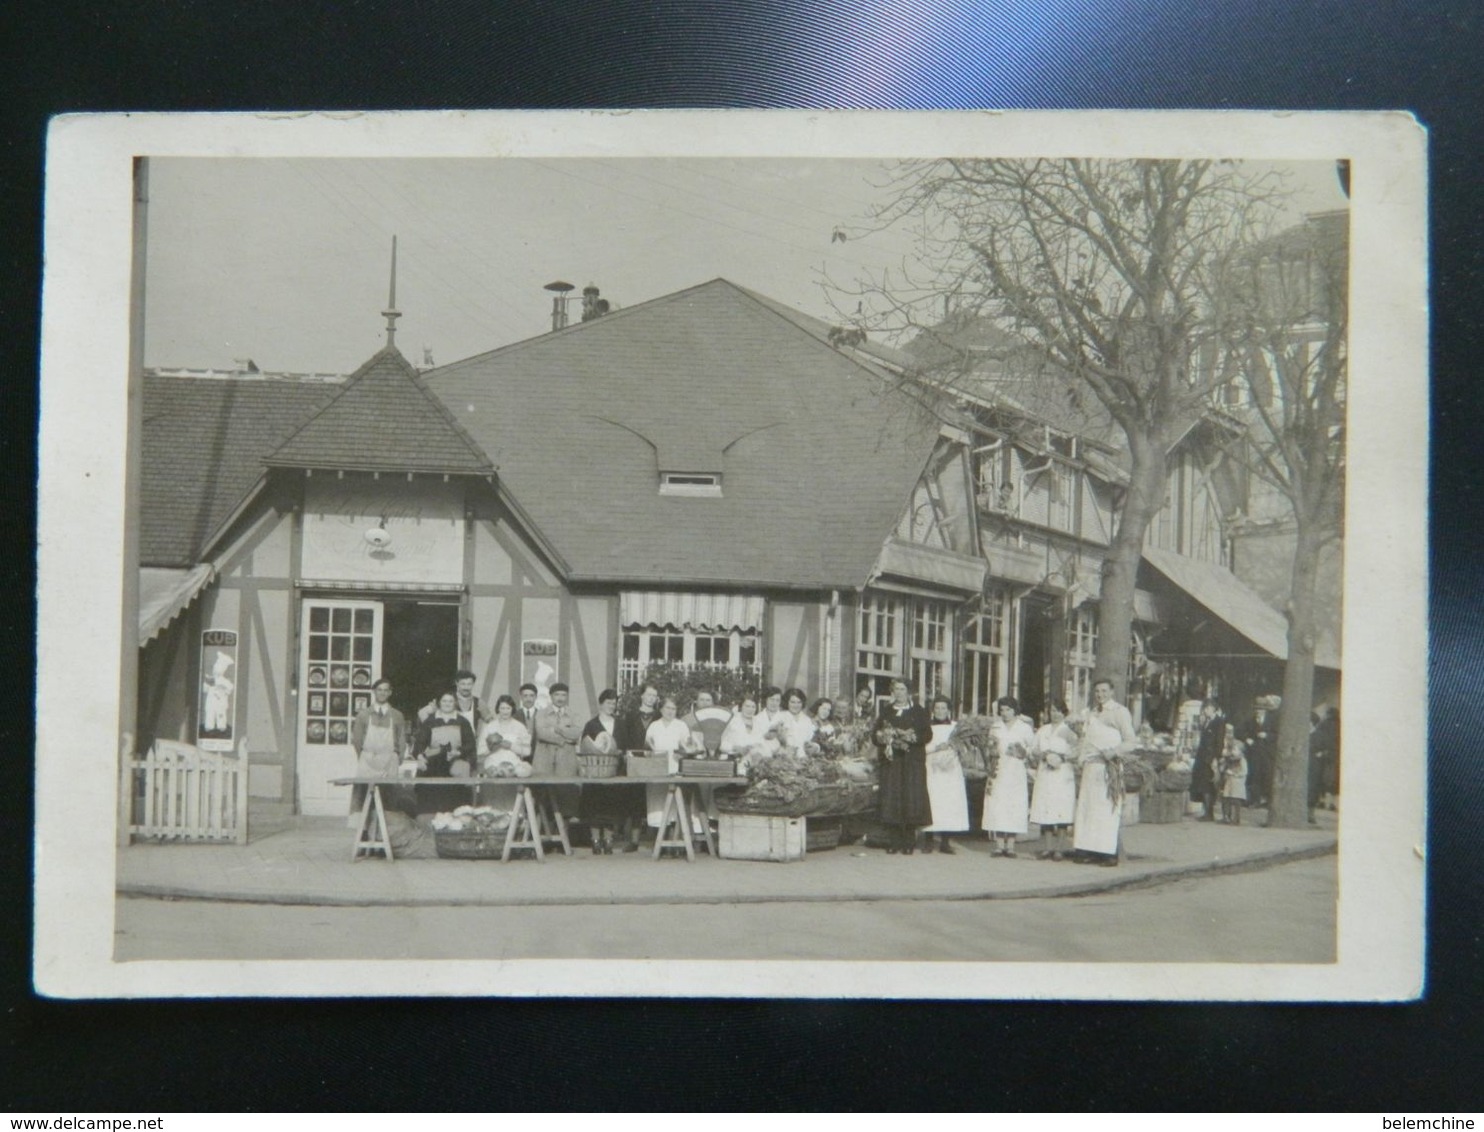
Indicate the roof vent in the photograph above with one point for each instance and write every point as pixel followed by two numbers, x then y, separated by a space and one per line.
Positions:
pixel 592 306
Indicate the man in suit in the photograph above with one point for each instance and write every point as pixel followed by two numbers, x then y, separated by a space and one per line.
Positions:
pixel 557 732
pixel 526 711
pixel 1260 734
pixel 1204 783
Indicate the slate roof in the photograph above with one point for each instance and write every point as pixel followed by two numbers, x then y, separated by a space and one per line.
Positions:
pixel 384 419
pixel 974 355
pixel 203 444
pixel 818 454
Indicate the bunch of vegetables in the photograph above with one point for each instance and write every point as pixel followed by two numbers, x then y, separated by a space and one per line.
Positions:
pixel 788 778
pixel 504 764
pixel 973 739
pixel 1130 772
pixel 472 819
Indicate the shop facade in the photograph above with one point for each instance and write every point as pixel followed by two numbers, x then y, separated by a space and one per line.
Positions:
pixel 708 479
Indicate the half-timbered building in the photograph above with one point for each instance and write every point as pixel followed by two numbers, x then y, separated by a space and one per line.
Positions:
pixel 709 478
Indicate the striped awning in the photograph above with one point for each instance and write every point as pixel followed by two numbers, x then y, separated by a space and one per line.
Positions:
pixel 717 613
pixel 380 587
pixel 164 594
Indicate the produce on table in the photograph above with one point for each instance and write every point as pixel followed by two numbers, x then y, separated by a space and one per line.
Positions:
pixel 790 785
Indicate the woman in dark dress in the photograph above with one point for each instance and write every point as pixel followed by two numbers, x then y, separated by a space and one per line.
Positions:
pixel 1204 784
pixel 602 810
pixel 443 748
pixel 902 731
pixel 625 808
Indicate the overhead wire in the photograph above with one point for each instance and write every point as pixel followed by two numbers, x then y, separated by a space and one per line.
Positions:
pixel 399 224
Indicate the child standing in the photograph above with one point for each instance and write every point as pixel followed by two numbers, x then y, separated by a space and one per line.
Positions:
pixel 1233 782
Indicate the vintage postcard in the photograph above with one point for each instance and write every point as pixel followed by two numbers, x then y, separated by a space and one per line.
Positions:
pixel 790 554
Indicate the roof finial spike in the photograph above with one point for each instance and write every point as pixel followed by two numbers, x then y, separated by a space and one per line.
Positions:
pixel 391 314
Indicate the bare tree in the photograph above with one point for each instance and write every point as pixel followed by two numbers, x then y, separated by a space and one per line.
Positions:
pixel 1284 306
pixel 1100 271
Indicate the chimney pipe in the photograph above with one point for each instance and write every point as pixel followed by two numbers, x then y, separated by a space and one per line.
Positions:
pixel 559 289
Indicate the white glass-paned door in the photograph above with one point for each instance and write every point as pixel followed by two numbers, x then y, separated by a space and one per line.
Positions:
pixel 339 657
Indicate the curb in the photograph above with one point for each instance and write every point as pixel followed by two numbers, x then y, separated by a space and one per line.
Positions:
pixel 1125 880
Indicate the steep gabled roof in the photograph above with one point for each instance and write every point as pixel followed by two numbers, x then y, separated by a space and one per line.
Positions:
pixel 384 419
pixel 203 444
pixel 818 453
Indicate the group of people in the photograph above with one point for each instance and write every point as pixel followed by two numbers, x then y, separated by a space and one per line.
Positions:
pixel 459 735
pixel 1066 777
pixel 1235 765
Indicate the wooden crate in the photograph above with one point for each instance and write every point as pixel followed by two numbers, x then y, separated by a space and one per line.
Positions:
pixel 1164 807
pixel 760 837
pixel 822 833
pixel 646 766
pixel 709 768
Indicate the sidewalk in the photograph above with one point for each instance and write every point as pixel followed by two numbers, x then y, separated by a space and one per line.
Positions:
pixel 309 863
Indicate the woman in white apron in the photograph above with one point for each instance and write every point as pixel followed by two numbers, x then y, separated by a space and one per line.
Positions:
pixel 669 736
pixel 947 794
pixel 1007 800
pixel 1099 793
pixel 1054 801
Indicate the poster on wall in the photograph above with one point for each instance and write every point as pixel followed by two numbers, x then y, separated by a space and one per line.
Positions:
pixel 538 666
pixel 216 719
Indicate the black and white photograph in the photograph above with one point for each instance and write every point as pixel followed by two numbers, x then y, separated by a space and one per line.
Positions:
pixel 853 555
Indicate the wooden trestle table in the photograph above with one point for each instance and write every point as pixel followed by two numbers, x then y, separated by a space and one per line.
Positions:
pixel 535 821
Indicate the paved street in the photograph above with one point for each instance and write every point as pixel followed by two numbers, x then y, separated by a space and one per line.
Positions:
pixel 1280 914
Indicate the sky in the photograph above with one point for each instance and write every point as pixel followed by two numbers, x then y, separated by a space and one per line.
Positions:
pixel 287 261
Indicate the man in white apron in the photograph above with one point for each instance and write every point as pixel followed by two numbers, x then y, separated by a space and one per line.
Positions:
pixel 1108 733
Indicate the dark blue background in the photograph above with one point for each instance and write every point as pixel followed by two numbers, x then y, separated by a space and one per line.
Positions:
pixel 188 55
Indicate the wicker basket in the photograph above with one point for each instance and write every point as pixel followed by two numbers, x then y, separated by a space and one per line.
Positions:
pixel 709 768
pixel 646 766
pixel 597 766
pixel 470 844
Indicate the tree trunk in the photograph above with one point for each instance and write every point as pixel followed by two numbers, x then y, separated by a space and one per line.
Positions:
pixel 1290 809
pixel 1146 495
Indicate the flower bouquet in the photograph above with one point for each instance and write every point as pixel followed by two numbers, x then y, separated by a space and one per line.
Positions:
pixel 895 741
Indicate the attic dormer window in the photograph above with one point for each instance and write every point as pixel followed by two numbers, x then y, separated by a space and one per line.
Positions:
pixel 690 483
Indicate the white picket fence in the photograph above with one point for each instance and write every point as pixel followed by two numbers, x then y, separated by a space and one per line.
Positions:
pixel 178 792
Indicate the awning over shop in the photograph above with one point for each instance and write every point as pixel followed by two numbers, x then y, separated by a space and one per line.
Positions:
pixel 1229 598
pixel 164 594
pixel 930 564
pixel 1145 609
pixel 717 613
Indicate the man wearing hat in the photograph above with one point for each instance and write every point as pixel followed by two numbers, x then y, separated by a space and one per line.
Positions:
pixel 1260 734
pixel 557 733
